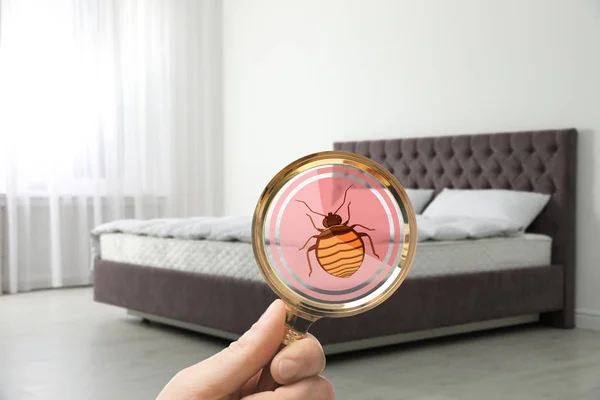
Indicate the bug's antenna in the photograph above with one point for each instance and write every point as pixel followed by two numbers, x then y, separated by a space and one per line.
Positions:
pixel 345 193
pixel 311 210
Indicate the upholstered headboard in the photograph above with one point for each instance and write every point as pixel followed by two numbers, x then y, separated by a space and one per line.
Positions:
pixel 538 161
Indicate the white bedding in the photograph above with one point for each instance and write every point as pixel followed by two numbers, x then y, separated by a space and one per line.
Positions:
pixel 238 229
pixel 236 259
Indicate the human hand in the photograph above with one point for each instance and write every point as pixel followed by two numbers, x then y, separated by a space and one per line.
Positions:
pixel 232 374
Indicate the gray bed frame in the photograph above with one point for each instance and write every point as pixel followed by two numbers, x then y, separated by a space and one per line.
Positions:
pixel 537 161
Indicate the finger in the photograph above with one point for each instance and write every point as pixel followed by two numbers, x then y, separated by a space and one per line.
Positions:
pixel 298 360
pixel 227 371
pixel 314 388
pixel 249 387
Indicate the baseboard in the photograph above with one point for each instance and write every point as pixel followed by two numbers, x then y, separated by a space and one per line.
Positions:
pixel 587 319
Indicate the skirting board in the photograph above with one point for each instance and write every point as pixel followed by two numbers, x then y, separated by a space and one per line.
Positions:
pixel 587 319
pixel 365 343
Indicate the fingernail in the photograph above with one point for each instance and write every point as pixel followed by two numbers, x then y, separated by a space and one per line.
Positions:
pixel 288 369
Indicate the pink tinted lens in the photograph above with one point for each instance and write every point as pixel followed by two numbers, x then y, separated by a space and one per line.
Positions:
pixel 334 234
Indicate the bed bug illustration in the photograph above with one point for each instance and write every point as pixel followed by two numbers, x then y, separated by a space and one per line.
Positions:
pixel 339 249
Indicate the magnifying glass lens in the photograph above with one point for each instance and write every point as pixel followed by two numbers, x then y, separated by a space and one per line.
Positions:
pixel 334 235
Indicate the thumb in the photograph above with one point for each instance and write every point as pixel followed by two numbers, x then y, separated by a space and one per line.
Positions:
pixel 227 371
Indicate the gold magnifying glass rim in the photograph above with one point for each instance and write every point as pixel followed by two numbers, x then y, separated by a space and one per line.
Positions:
pixel 309 308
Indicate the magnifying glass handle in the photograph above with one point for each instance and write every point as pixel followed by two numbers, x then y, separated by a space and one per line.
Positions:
pixel 296 330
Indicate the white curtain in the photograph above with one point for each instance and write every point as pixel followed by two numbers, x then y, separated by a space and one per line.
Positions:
pixel 109 109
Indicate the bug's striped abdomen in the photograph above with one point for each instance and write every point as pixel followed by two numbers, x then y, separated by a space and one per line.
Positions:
pixel 341 252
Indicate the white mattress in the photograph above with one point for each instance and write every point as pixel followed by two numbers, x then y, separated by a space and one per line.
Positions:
pixel 236 259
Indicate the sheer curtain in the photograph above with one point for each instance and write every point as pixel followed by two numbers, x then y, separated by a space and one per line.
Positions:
pixel 109 109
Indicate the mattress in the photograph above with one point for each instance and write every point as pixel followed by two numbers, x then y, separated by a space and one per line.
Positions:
pixel 236 259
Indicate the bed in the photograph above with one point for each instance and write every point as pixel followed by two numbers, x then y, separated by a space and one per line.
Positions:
pixel 503 281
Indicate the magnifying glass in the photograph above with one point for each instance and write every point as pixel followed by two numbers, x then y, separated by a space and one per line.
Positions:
pixel 334 235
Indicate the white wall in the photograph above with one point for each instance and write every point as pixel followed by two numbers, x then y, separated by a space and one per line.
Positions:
pixel 301 74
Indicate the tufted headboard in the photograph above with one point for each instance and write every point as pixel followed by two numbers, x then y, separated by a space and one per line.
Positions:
pixel 537 161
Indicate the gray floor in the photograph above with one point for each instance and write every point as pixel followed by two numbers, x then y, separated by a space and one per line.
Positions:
pixel 60 345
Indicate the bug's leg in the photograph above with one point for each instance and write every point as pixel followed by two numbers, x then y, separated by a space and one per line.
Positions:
pixel 311 210
pixel 362 226
pixel 348 220
pixel 313 223
pixel 343 202
pixel 311 248
pixel 312 237
pixel 363 234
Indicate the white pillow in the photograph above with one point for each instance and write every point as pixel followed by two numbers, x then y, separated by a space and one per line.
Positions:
pixel 520 208
pixel 458 228
pixel 419 198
